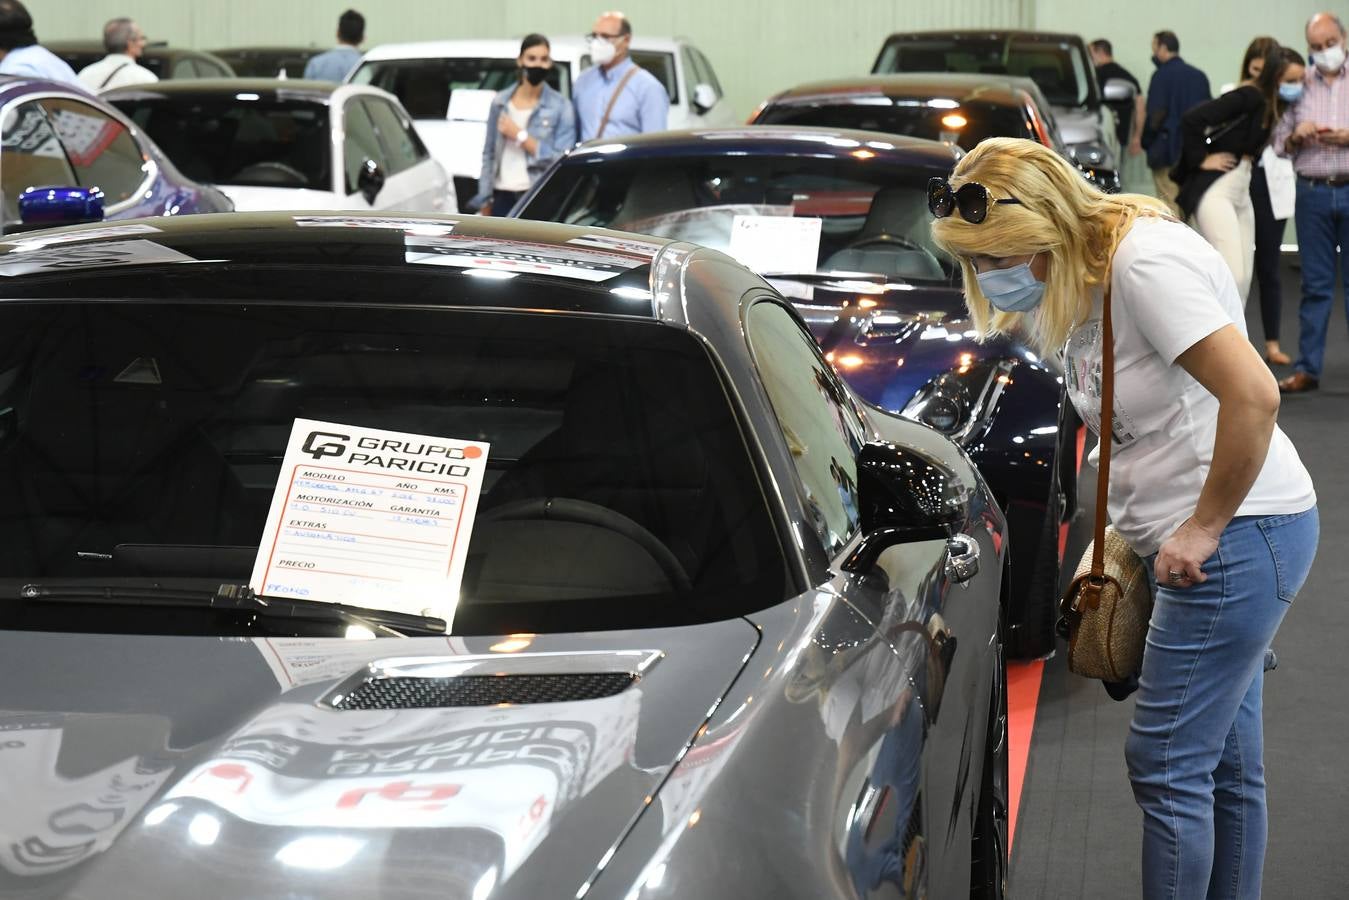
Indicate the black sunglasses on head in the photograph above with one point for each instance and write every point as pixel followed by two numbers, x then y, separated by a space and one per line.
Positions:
pixel 971 200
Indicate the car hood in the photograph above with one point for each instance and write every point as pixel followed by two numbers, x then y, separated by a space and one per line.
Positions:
pixel 148 766
pixel 457 145
pixel 251 198
pixel 888 344
pixel 1078 125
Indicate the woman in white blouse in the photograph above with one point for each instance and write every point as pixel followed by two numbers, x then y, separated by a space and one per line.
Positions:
pixel 1203 483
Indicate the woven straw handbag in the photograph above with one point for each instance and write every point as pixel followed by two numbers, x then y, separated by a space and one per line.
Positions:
pixel 1106 610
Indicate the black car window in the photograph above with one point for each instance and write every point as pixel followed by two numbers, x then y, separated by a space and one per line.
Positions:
pixel 424 86
pixel 707 74
pixel 812 407
pixel 136 432
pixel 1058 67
pixel 31 156
pixel 100 149
pixel 935 119
pixel 874 217
pixel 259 141
pixel 395 134
pixel 361 143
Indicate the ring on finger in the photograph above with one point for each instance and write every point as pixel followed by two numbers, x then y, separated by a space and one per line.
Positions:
pixel 1174 576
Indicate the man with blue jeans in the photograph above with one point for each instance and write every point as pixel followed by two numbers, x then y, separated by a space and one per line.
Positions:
pixel 1175 88
pixel 1314 132
pixel 615 96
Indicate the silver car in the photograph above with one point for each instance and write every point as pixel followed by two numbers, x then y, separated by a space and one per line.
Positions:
pixel 724 630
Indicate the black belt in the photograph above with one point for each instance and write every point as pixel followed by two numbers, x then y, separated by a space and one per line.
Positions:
pixel 1331 181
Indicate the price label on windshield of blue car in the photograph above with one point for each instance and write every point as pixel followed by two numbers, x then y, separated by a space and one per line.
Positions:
pixel 371 518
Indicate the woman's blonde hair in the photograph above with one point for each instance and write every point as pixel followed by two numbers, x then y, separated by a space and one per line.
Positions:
pixel 1060 214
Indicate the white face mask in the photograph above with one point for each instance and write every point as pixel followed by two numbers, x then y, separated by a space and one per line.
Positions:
pixel 602 52
pixel 1330 59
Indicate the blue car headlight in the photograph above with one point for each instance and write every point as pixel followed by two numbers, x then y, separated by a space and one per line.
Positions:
pixel 958 402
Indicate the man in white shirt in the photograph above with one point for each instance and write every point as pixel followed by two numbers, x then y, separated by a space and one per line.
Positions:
pixel 125 42
pixel 19 50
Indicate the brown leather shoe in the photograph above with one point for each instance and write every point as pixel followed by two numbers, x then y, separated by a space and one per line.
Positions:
pixel 1298 383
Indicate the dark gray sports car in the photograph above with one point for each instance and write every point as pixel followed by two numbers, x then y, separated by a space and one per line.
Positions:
pixel 723 630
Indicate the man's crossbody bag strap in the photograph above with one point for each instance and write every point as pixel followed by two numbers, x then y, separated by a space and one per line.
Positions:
pixel 112 75
pixel 608 110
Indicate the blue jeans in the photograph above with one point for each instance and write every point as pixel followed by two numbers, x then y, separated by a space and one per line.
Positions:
pixel 1322 217
pixel 1196 745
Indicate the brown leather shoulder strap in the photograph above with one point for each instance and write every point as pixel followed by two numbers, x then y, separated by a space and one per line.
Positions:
pixel 1107 434
pixel 618 91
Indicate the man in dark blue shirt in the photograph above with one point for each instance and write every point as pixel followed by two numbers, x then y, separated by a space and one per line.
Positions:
pixel 1176 86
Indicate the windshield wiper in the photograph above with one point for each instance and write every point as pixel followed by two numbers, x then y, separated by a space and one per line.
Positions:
pixel 239 599
pixel 820 277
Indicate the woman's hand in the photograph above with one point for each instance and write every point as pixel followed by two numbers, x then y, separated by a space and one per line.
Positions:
pixel 507 127
pixel 1219 162
pixel 1185 552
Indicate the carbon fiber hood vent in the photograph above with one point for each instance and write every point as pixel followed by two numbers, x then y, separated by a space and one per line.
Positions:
pixel 468 681
pixel 482 690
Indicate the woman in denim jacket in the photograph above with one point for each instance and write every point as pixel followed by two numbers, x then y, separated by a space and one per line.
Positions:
pixel 534 125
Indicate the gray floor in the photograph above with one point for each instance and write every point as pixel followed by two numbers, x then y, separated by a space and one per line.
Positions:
pixel 1079 830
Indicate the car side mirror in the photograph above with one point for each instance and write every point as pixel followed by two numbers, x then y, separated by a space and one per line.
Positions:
pixel 704 97
pixel 370 181
pixel 48 207
pixel 1117 90
pixel 903 496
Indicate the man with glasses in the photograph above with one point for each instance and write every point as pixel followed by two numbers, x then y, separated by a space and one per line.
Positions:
pixel 125 42
pixel 1314 132
pixel 615 96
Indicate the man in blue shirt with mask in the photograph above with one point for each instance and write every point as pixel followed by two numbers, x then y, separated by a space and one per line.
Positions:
pixel 19 50
pixel 1176 86
pixel 615 96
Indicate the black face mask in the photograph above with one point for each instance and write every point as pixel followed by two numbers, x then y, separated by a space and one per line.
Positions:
pixel 535 74
pixel 1156 62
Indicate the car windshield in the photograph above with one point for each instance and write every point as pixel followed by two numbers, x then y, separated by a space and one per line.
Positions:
pixel 937 119
pixel 426 85
pixel 240 141
pixel 267 63
pixel 1058 67
pixel 872 218
pixel 143 440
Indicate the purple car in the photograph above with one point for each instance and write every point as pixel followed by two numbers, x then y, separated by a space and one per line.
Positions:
pixel 69 157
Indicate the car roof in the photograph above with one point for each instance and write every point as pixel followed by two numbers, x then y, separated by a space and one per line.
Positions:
pixel 332 256
pixel 59 47
pixel 988 33
pixel 229 88
pixel 770 140
pixel 564 48
pixel 1004 90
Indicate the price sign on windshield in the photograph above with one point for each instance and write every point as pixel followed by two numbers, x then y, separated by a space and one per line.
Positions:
pixel 371 518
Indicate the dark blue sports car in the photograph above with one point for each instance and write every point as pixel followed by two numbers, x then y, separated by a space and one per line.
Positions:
pixel 837 221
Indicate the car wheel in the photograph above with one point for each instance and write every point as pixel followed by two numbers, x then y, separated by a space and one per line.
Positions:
pixel 988 847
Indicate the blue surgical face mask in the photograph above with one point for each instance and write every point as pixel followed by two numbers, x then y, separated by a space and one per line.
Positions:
pixel 1013 289
pixel 1290 92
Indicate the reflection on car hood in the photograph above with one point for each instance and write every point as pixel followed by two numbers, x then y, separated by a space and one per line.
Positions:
pixel 890 343
pixel 150 766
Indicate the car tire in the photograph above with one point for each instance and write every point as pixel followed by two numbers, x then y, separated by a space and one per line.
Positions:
pixel 989 838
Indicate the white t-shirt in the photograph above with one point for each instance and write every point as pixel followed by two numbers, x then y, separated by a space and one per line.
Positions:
pixel 113 71
pixel 1171 290
pixel 513 168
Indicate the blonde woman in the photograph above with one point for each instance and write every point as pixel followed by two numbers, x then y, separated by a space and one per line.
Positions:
pixel 1203 485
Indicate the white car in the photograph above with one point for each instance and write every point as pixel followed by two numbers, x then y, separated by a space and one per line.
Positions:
pixel 447 86
pixel 277 144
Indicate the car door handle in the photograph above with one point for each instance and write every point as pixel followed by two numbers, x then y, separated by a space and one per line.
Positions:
pixel 962 558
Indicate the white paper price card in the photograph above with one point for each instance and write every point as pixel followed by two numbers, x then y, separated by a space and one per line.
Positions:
pixel 371 518
pixel 776 244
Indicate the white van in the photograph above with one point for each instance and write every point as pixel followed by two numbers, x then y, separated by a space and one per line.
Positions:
pixel 426 75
